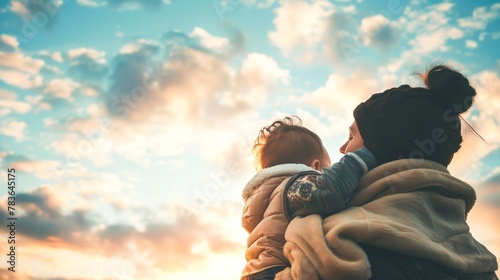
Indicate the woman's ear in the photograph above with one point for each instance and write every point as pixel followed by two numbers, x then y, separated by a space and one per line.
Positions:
pixel 315 164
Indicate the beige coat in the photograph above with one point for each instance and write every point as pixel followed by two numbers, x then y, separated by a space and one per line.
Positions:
pixel 264 218
pixel 414 207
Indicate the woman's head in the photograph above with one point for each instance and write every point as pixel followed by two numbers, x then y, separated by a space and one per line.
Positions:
pixel 408 122
pixel 354 141
pixel 286 141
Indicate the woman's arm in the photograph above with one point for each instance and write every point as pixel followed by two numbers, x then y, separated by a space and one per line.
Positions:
pixel 327 192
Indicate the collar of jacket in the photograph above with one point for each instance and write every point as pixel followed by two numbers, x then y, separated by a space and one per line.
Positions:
pixel 407 175
pixel 287 169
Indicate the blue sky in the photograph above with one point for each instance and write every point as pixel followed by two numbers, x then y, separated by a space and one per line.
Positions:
pixel 131 122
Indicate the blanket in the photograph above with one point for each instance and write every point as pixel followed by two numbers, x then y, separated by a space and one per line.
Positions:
pixel 409 206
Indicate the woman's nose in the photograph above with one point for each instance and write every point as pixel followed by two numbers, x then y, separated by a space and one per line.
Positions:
pixel 342 148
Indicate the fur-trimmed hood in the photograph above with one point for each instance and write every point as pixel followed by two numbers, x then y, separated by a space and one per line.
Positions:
pixel 287 169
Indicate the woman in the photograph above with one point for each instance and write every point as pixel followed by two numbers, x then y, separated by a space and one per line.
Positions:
pixel 408 218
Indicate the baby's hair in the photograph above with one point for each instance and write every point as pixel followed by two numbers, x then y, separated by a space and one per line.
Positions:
pixel 286 141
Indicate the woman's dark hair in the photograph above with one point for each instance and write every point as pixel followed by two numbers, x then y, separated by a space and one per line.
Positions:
pixel 286 141
pixel 452 90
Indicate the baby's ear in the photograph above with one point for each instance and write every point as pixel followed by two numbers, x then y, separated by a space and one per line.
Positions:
pixel 315 164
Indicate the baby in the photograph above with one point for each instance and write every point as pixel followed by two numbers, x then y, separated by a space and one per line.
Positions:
pixel 294 177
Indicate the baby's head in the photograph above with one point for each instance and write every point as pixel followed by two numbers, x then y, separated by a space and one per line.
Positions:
pixel 286 141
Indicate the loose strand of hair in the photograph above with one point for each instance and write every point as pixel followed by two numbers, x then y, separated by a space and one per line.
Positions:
pixel 468 127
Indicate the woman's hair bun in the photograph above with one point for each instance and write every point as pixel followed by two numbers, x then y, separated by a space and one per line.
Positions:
pixel 450 88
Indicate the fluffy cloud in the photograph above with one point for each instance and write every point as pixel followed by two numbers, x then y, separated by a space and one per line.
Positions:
pixel 7 95
pixel 8 43
pixel 16 106
pixel 259 72
pixel 379 31
pixel 14 129
pixel 480 18
pixel 341 94
pixel 123 4
pixel 61 88
pixel 141 46
pixel 194 83
pixel 39 102
pixel 191 239
pixel 92 3
pixel 20 79
pixel 42 169
pixel 56 56
pixel 43 12
pixel 320 32
pixel 483 117
pixel 301 28
pixel 98 56
pixel 196 88
pixel 209 41
pixel 470 44
pixel 431 30
pixel 482 219
pixel 21 62
pixel 20 70
pixel 87 65
pixel 487 120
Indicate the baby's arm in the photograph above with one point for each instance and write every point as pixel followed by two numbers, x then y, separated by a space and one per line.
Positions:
pixel 327 192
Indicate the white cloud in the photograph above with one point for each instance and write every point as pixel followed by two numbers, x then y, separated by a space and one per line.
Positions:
pixel 480 18
pixel 206 93
pixel 482 36
pixel 18 8
pixel 38 102
pixel 4 112
pixel 258 73
pixel 261 4
pixel 14 129
pixel 98 56
pixel 339 96
pixel 61 88
pixel 433 41
pixel 301 28
pixel 9 40
pixel 57 56
pixel 378 30
pixel 209 41
pixel 487 84
pixel 443 7
pixel 17 106
pixel 124 5
pixel 470 44
pixel 205 87
pixel 43 169
pixel 351 9
pixel 21 62
pixel 7 95
pixel 29 8
pixel 139 46
pixel 425 19
pixel 429 30
pixel 485 120
pixel 92 3
pixel 21 80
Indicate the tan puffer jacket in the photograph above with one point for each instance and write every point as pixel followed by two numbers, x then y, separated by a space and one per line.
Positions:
pixel 264 219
